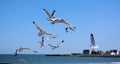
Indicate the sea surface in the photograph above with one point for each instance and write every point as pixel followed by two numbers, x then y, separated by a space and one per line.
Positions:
pixel 42 59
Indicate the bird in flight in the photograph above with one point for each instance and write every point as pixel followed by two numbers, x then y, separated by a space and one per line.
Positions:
pixel 56 46
pixel 18 50
pixel 42 34
pixel 93 46
pixel 54 20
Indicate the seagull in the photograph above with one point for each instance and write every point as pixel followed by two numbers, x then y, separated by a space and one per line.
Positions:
pixel 41 32
pixel 18 50
pixel 54 20
pixel 70 28
pixel 93 46
pixel 56 46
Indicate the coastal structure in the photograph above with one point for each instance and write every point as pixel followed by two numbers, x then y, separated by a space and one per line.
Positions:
pixel 92 52
pixel 93 49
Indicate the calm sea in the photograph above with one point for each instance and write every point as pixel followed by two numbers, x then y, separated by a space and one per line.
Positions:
pixel 42 59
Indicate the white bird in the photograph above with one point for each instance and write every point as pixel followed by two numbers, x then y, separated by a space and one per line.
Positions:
pixel 54 20
pixel 41 32
pixel 21 49
pixel 93 46
pixel 56 46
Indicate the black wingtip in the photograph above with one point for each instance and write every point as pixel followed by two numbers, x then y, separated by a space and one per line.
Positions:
pixel 74 27
pixel 91 34
pixel 43 9
pixel 62 40
pixel 33 22
pixel 54 10
pixel 66 29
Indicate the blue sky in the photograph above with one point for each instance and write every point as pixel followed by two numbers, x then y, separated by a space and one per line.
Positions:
pixel 100 17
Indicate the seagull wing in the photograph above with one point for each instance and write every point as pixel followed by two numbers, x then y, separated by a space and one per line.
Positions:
pixel 27 49
pixel 50 45
pixel 16 52
pixel 92 39
pixel 35 51
pixel 53 13
pixel 60 20
pixel 65 22
pixel 40 29
pixel 47 13
pixel 20 49
pixel 49 33
pixel 60 43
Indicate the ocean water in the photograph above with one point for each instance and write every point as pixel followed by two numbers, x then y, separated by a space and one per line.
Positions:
pixel 42 59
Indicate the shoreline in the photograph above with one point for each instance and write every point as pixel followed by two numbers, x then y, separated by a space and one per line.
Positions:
pixel 84 55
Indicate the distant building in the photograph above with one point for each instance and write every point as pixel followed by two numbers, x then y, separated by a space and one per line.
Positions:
pixel 86 51
pixel 113 52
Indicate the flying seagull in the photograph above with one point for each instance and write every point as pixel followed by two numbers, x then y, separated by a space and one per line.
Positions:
pixel 54 20
pixel 41 34
pixel 56 46
pixel 93 46
pixel 21 49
